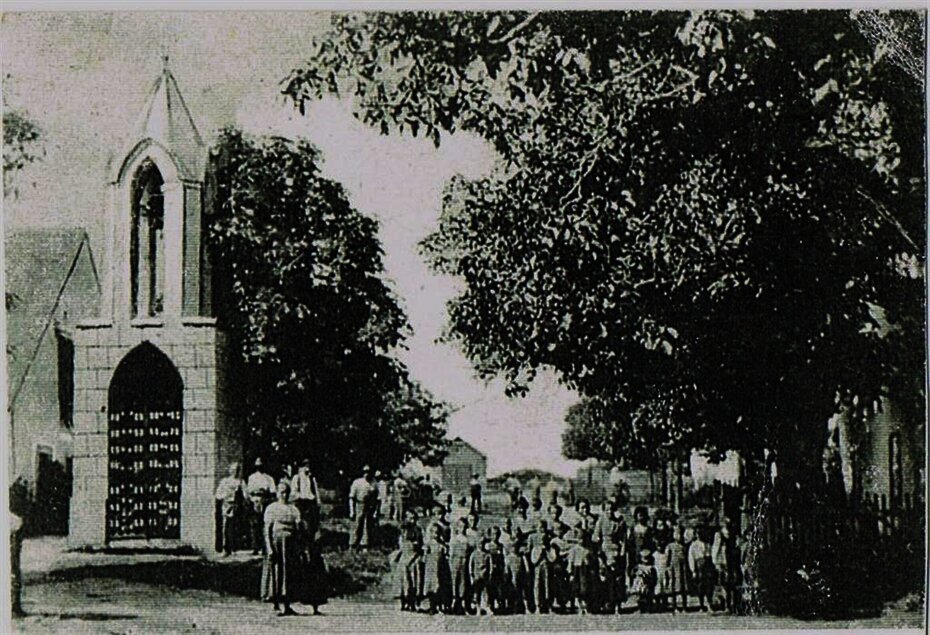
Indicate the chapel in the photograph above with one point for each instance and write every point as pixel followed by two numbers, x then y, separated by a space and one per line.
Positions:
pixel 154 427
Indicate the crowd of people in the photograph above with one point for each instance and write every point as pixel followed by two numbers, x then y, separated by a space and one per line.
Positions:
pixel 537 561
pixel 457 561
pixel 284 519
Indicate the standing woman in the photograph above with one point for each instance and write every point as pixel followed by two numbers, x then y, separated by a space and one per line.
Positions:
pixel 282 524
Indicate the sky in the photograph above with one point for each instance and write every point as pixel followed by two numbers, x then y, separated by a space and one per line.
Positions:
pixel 83 77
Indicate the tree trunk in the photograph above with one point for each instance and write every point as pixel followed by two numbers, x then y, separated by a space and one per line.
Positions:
pixel 665 496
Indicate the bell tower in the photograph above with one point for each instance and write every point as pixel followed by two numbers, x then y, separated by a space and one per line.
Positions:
pixel 154 429
pixel 155 231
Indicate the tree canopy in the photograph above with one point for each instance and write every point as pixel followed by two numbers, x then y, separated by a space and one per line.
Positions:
pixel 703 221
pixel 300 289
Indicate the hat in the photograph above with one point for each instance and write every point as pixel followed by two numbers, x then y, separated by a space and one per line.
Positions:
pixel 366 469
pixel 645 553
pixel 305 463
pixel 258 462
pixel 378 473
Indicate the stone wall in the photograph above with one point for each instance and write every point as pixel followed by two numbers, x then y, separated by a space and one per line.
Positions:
pixel 209 441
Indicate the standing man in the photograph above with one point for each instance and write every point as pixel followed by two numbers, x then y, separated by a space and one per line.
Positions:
pixel 228 494
pixel 363 507
pixel 384 500
pixel 306 497
pixel 399 492
pixel 474 488
pixel 261 491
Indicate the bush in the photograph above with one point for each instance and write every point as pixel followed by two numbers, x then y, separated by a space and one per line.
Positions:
pixel 835 581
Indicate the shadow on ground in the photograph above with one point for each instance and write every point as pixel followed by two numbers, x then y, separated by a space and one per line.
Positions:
pixel 88 617
pixel 348 573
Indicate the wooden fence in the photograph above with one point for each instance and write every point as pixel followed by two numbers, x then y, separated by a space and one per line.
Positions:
pixel 779 521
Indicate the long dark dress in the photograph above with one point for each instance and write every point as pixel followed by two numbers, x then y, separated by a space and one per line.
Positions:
pixel 314 583
pixel 282 520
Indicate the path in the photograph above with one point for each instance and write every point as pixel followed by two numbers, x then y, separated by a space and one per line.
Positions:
pixel 75 601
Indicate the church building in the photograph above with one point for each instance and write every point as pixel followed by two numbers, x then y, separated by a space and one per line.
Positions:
pixel 154 427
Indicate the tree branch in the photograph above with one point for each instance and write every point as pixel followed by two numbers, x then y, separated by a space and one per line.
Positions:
pixel 887 215
pixel 514 30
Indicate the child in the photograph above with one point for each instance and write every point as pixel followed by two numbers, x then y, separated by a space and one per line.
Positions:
pixel 582 571
pixel 459 551
pixel 640 538
pixel 702 569
pixel 644 581
pixel 749 588
pixel 725 557
pixel 435 565
pixel 408 561
pixel 474 539
pixel 560 544
pixel 514 577
pixel 661 564
pixel 540 562
pixel 675 571
pixel 495 581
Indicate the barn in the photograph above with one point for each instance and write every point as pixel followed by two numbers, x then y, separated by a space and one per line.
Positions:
pixel 462 461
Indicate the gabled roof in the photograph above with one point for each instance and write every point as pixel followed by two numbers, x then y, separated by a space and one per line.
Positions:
pixel 167 121
pixel 39 264
pixel 461 441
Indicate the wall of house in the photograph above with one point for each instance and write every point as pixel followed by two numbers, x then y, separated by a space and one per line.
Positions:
pixel 459 465
pixel 873 459
pixel 36 416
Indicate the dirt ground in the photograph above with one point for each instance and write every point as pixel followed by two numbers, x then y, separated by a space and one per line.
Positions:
pixel 143 593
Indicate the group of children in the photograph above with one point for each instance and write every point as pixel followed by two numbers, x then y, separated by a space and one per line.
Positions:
pixel 541 562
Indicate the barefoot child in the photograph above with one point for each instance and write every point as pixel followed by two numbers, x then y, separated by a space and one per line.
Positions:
pixel 676 570
pixel 702 569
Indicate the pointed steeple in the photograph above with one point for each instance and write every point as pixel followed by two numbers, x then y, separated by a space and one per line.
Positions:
pixel 167 121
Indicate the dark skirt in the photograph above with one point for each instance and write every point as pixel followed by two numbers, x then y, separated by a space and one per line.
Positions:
pixel 584 581
pixel 285 564
pixel 703 578
pixel 314 585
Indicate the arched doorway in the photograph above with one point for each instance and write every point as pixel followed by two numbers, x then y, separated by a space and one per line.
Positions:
pixel 144 447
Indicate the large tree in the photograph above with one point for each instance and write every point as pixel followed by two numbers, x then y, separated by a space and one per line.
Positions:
pixel 696 217
pixel 301 291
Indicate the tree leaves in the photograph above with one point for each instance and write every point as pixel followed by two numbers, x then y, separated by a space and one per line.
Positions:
pixel 300 290
pixel 674 219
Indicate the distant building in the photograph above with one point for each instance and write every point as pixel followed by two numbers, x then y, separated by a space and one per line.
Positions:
pixel 596 481
pixel 52 284
pixel 461 462
pixel 882 456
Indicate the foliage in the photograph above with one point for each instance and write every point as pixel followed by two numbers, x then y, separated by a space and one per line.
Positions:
pixel 300 289
pixel 693 218
pixel 21 137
